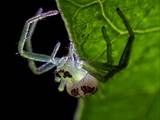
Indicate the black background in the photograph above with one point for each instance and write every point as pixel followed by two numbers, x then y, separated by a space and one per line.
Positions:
pixel 28 95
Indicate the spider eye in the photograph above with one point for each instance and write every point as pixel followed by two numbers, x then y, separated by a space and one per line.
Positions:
pixel 87 86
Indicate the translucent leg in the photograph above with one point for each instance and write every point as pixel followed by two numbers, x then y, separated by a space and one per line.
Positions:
pixel 27 38
pixel 56 48
pixel 109 46
pixel 109 67
pixel 27 34
pixel 123 62
pixel 46 66
pixel 127 51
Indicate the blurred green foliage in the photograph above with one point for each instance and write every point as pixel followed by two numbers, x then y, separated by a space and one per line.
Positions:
pixel 134 93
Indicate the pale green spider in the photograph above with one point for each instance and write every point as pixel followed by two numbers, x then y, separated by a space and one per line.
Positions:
pixel 70 70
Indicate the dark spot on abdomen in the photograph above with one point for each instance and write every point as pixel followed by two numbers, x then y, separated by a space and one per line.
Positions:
pixel 75 92
pixel 88 90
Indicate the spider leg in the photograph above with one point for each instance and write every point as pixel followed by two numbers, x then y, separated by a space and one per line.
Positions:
pixel 43 68
pixel 123 62
pixel 48 65
pixel 32 57
pixel 126 53
pixel 73 54
pixel 91 66
pixel 27 34
pixel 56 48
pixel 109 46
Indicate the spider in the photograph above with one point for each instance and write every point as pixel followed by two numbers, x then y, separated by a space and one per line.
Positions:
pixel 70 70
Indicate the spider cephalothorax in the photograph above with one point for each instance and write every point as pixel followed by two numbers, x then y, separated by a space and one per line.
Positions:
pixel 70 70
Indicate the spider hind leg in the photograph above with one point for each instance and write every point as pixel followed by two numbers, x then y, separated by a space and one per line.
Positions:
pixel 123 62
pixel 109 46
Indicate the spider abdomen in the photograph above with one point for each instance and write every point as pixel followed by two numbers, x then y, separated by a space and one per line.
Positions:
pixel 85 87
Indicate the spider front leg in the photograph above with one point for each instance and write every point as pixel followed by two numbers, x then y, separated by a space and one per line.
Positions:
pixel 27 32
pixel 123 62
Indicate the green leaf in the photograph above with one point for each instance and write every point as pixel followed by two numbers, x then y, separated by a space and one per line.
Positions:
pixel 134 93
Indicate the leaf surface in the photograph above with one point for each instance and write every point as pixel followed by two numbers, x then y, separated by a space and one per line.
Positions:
pixel 134 93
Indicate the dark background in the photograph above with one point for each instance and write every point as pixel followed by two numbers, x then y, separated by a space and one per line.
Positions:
pixel 28 95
